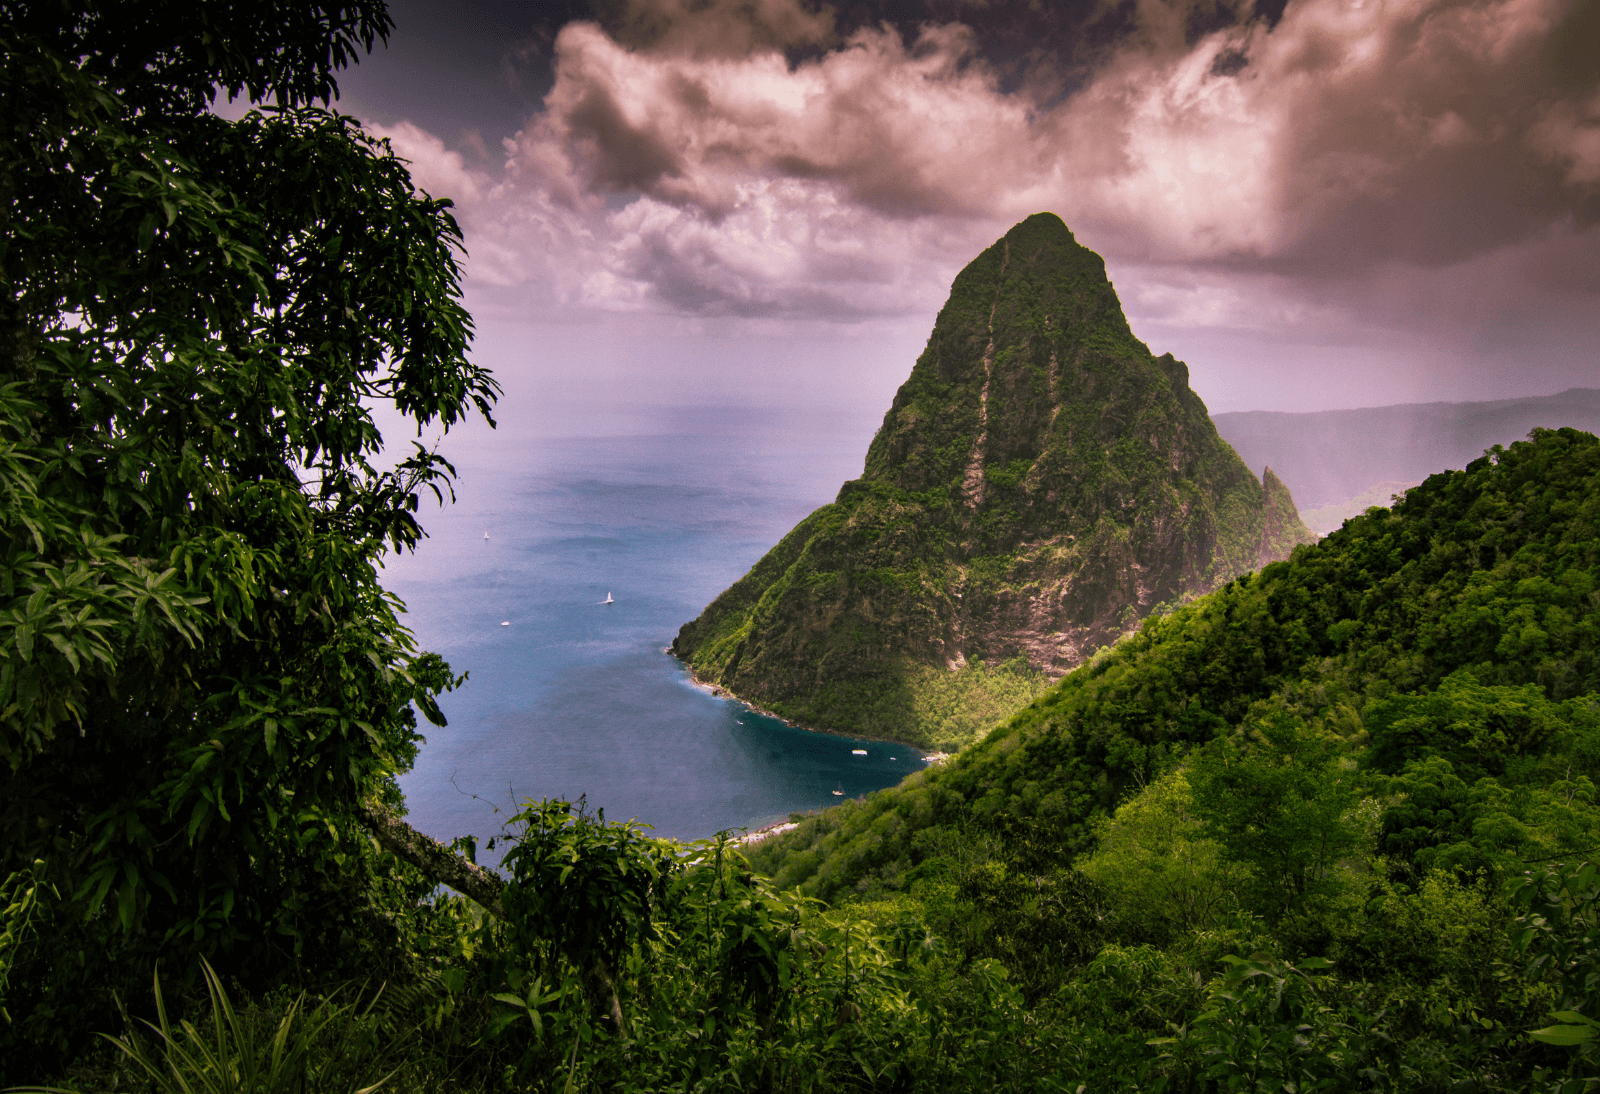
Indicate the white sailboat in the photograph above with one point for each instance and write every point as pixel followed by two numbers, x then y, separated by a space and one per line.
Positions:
pixel 486 533
pixel 608 599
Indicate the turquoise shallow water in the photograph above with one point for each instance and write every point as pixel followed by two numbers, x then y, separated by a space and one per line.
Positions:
pixel 662 509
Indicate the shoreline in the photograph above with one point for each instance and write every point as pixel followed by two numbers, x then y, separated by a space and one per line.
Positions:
pixel 764 833
pixel 719 692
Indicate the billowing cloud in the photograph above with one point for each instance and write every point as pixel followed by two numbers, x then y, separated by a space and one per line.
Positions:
pixel 435 169
pixel 753 158
pixel 902 131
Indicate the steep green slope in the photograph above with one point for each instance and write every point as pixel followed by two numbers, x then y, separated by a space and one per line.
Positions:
pixel 1494 570
pixel 1040 483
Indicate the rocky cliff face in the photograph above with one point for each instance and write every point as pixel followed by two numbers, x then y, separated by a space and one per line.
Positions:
pixel 1281 526
pixel 1040 483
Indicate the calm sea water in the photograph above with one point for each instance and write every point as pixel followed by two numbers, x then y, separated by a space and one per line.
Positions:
pixel 662 509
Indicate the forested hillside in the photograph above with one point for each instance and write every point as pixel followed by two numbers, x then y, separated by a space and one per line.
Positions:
pixel 1486 578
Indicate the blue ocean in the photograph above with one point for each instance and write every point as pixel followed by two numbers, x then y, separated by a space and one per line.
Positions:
pixel 659 508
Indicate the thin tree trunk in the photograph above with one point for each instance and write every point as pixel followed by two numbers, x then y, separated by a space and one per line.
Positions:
pixel 434 858
pixel 604 988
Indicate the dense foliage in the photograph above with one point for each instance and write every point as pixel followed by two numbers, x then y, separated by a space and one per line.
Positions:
pixel 1474 599
pixel 200 675
pixel 1361 869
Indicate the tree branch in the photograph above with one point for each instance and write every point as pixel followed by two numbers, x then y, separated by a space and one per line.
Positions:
pixel 434 858
pixel 448 868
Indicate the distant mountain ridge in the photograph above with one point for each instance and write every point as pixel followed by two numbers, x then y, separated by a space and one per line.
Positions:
pixel 1326 519
pixel 1330 458
pixel 1040 483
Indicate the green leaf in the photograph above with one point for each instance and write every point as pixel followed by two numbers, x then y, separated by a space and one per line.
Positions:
pixel 430 709
pixel 127 897
pixel 1564 1035
pixel 65 649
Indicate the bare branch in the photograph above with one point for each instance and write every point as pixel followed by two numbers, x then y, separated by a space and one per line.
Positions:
pixel 434 858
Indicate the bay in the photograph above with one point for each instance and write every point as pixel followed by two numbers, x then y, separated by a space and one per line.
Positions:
pixel 660 507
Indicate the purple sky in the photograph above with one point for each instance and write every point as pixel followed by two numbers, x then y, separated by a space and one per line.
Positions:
pixel 1331 203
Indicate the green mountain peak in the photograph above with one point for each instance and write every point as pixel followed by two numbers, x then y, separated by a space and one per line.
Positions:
pixel 1040 483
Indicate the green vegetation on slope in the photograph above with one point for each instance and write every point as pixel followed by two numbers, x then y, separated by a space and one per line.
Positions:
pixel 942 709
pixel 1040 483
pixel 1328 830
pixel 1492 570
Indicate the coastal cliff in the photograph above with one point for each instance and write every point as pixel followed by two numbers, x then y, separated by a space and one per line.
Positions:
pixel 1040 483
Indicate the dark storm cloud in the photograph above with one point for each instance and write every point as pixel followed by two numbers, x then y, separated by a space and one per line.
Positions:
pixel 1452 138
pixel 620 154
pixel 458 69
pixel 493 60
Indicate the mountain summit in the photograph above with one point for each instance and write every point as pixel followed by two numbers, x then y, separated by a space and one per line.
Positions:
pixel 1041 482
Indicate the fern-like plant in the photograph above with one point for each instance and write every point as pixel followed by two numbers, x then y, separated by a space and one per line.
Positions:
pixel 332 1048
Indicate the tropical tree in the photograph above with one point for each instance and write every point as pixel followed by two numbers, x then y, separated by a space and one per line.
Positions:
pixel 201 679
pixel 1280 802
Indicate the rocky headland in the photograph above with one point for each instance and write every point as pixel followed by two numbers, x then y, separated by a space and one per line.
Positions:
pixel 1041 482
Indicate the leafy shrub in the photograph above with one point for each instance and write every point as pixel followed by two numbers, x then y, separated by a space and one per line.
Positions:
pixel 330 1046
pixel 1161 873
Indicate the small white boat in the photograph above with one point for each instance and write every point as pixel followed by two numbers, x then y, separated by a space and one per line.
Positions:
pixel 486 533
pixel 858 752
pixel 608 600
pixel 838 793
pixel 507 623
